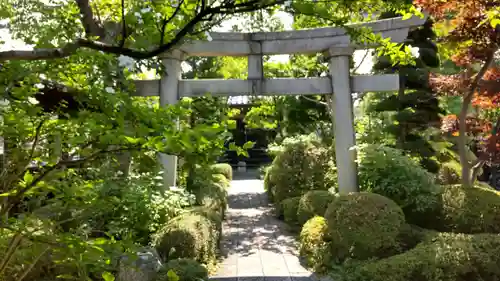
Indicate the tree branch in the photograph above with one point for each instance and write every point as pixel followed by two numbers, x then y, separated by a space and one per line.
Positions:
pixel 124 25
pixel 70 48
pixel 166 21
pixel 462 138
pixel 92 28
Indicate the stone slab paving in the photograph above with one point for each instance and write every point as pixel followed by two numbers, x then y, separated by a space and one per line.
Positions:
pixel 256 245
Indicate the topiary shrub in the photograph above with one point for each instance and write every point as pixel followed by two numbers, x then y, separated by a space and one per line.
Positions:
pixel 363 225
pixel 213 214
pixel 185 269
pixel 303 164
pixel 187 236
pixel 212 195
pixel 388 172
pixel 221 179
pixel 313 203
pixel 224 169
pixel 268 183
pixel 315 246
pixel 448 257
pixel 468 210
pixel 289 207
pixel 449 173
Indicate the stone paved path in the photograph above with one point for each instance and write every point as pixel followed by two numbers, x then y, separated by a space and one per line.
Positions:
pixel 255 244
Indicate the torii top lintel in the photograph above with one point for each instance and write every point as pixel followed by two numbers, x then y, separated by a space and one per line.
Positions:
pixel 305 41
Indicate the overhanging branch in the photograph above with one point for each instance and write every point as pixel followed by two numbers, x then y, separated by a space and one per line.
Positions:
pixel 71 48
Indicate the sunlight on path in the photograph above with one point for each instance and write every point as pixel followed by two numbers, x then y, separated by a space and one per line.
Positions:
pixel 255 244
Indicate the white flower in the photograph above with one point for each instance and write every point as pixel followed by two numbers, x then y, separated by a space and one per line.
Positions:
pixel 415 51
pixel 137 15
pixel 42 76
pixel 39 86
pixel 125 61
pixel 209 38
pixel 110 90
pixel 145 10
pixel 33 100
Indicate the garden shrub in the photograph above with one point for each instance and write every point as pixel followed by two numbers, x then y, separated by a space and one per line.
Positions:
pixel 449 173
pixel 185 269
pixel 315 245
pixel 26 253
pixel 212 195
pixel 187 236
pixel 268 183
pixel 448 257
pixel 469 210
pixel 221 179
pixel 289 207
pixel 215 215
pixel 224 169
pixel 388 172
pixel 313 203
pixel 363 225
pixel 302 165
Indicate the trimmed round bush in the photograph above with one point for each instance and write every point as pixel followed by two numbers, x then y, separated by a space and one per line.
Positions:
pixel 363 225
pixel 212 195
pixel 221 179
pixel 187 236
pixel 214 214
pixel 224 169
pixel 469 210
pixel 302 165
pixel 313 203
pixel 448 257
pixel 388 172
pixel 289 207
pixel 449 173
pixel 315 245
pixel 269 183
pixel 185 269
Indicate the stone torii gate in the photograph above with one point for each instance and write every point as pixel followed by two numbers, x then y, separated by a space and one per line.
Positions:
pixel 335 43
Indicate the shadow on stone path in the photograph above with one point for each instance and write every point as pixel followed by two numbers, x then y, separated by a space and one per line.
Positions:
pixel 255 244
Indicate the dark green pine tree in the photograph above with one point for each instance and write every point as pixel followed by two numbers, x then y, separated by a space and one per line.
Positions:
pixel 415 106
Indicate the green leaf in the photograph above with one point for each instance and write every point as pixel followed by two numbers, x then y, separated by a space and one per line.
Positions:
pixel 233 147
pixel 28 178
pixel 107 276
pixel 248 145
pixel 172 276
pixel 494 22
pixel 407 16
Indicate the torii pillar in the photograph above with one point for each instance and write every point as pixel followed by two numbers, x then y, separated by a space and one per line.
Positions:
pixel 169 94
pixel 345 138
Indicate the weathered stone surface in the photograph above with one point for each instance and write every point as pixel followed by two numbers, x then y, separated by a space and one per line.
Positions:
pixel 144 268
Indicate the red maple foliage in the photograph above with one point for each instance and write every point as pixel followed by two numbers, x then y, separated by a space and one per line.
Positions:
pixel 474 41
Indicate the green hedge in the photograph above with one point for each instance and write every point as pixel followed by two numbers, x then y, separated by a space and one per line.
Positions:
pixel 386 171
pixel 467 210
pixel 189 235
pixel 289 207
pixel 315 246
pixel 224 169
pixel 212 195
pixel 302 165
pixel 185 269
pixel 313 203
pixel 221 179
pixel 447 257
pixel 363 225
